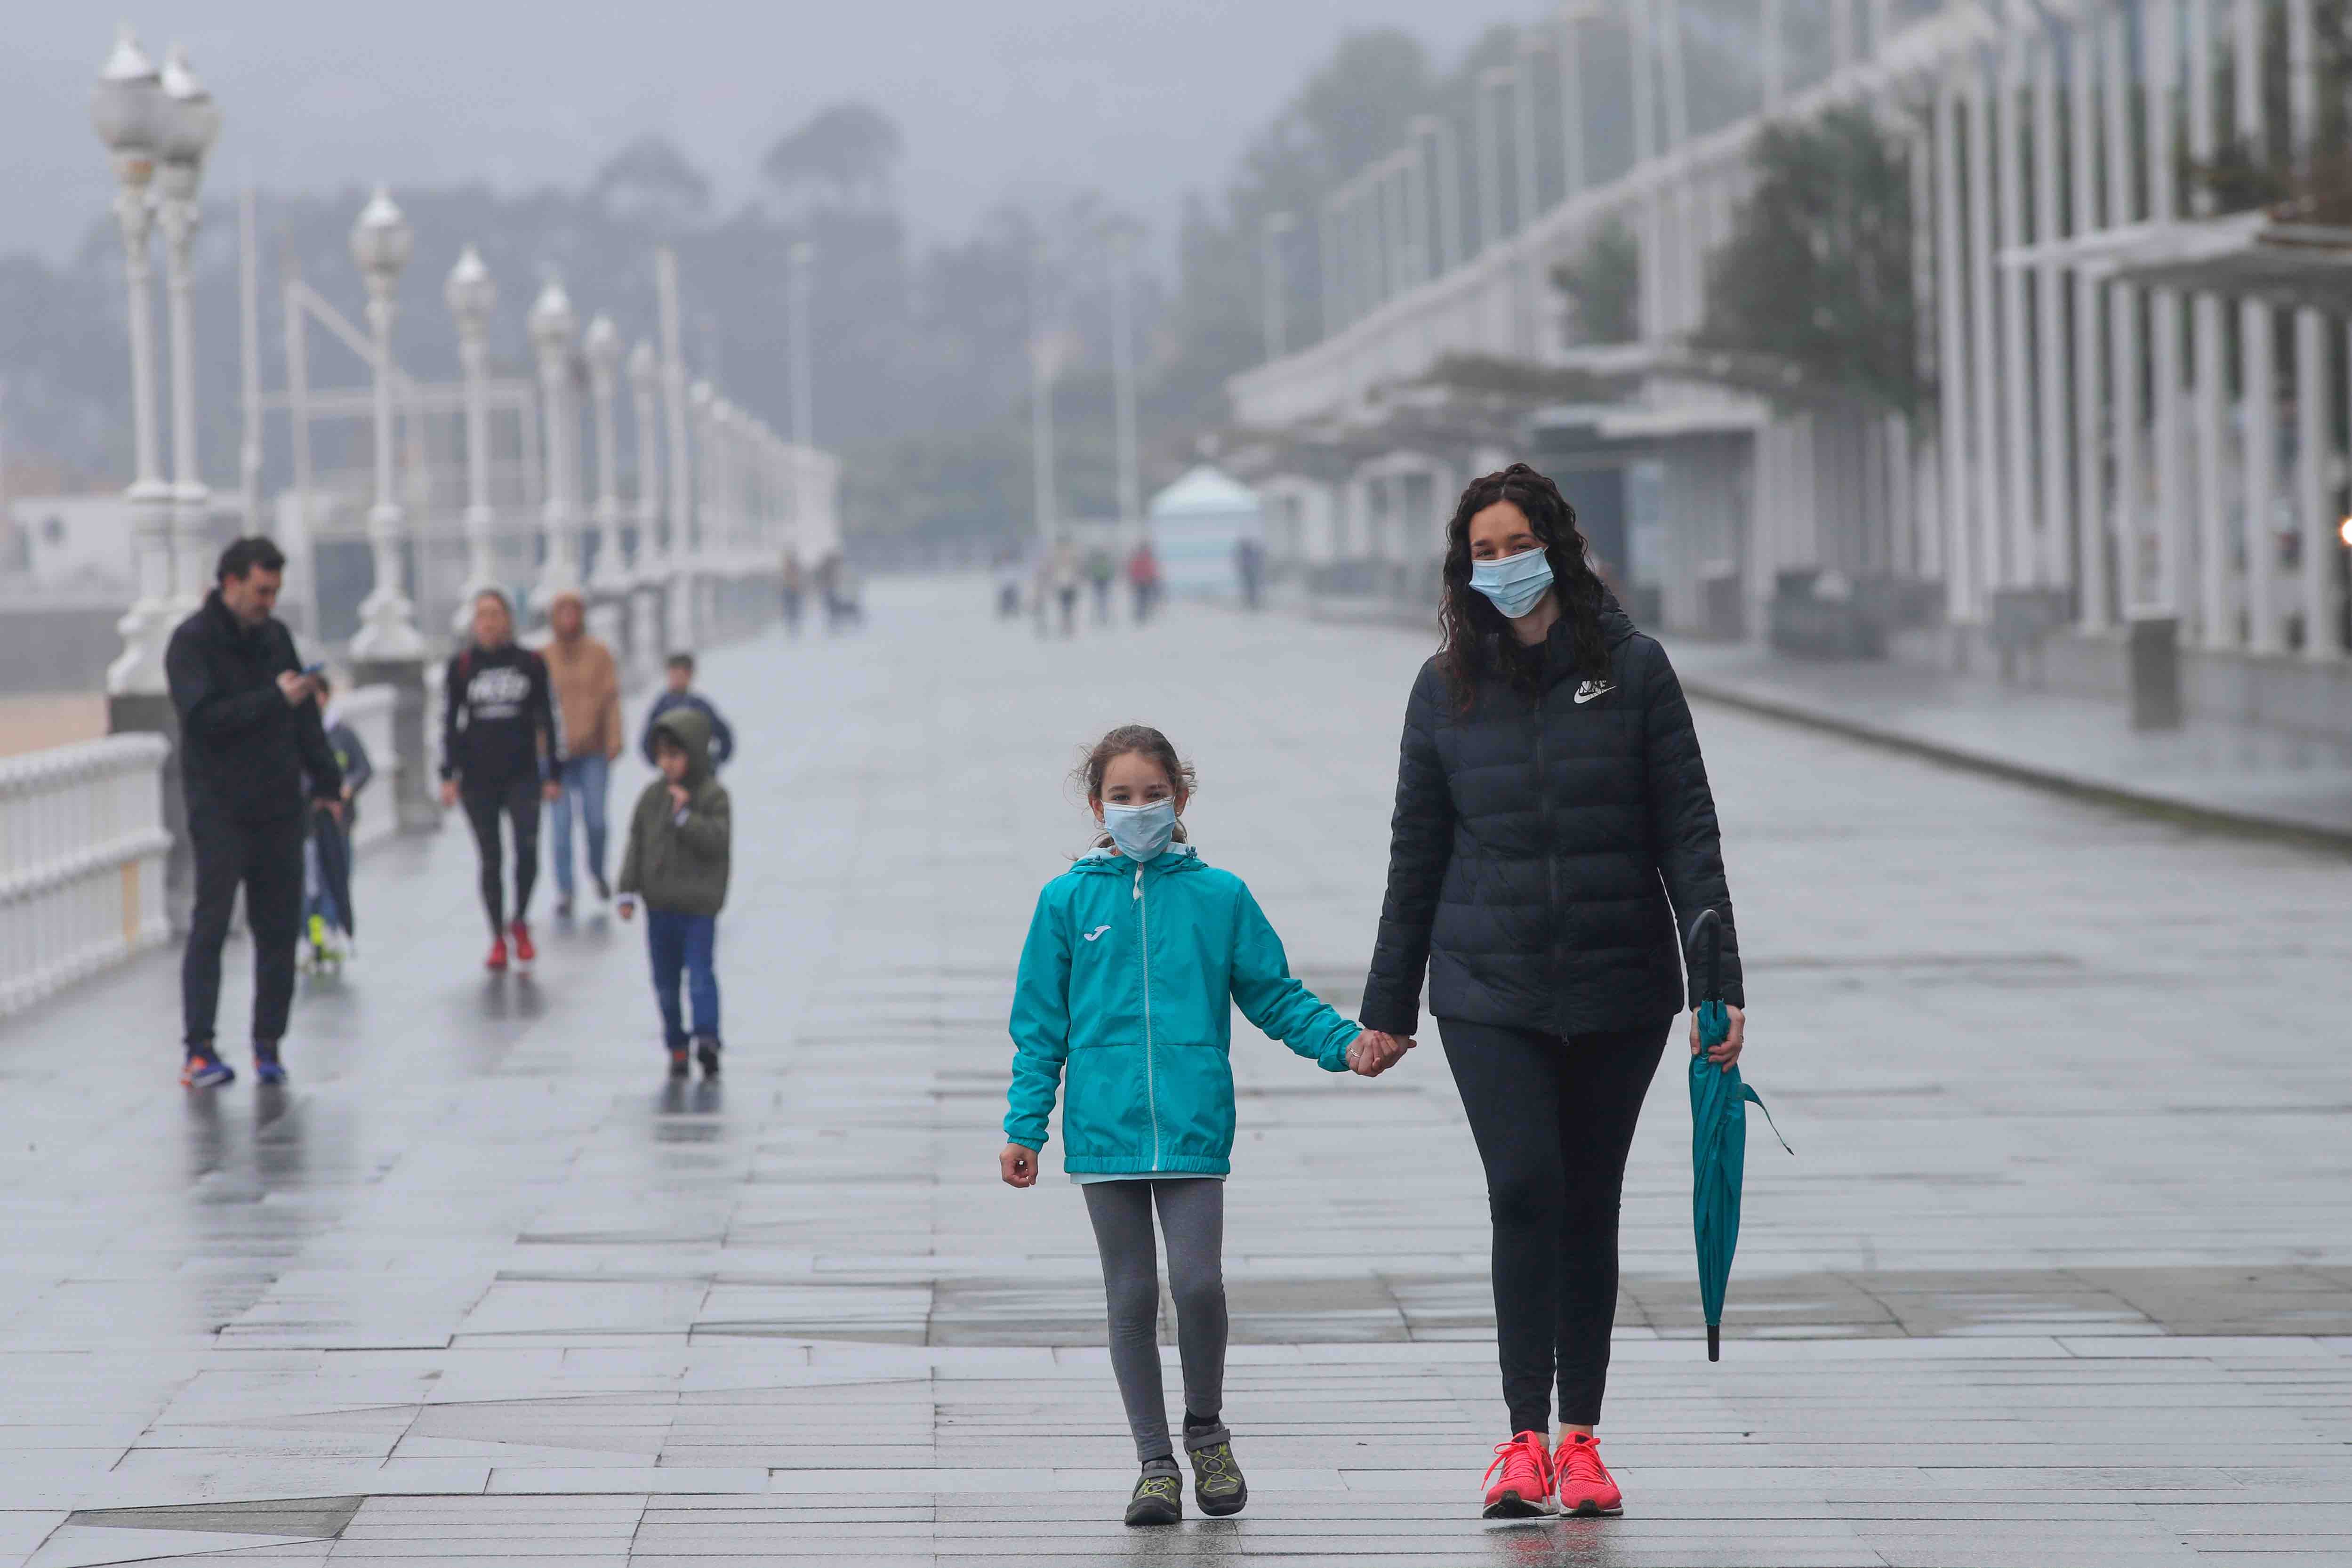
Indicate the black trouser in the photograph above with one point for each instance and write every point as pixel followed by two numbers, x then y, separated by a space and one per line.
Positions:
pixel 519 798
pixel 266 859
pixel 1554 1120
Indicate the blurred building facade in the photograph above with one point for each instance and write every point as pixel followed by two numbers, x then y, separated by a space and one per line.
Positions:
pixel 2129 273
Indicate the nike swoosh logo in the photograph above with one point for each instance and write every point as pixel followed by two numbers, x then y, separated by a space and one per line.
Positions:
pixel 1588 691
pixel 1095 932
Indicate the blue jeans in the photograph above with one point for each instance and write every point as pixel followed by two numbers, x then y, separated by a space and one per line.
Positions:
pixel 684 947
pixel 585 777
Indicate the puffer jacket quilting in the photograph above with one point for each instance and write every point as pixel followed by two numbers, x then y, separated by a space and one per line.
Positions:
pixel 1543 854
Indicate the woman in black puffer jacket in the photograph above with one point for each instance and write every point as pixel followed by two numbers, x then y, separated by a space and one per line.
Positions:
pixel 1553 832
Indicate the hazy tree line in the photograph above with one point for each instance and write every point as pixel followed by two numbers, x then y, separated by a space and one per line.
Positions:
pixel 920 349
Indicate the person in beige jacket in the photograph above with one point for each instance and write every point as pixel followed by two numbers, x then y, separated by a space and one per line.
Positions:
pixel 588 696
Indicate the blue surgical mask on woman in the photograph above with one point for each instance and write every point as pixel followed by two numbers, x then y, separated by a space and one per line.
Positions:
pixel 1514 583
pixel 1141 832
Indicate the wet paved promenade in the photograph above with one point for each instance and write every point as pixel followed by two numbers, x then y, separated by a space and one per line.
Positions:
pixel 2062 1275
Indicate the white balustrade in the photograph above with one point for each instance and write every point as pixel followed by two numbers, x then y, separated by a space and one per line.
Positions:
pixel 82 847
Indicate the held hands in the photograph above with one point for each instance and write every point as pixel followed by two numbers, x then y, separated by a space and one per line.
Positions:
pixel 1727 1055
pixel 550 789
pixel 1374 1052
pixel 1017 1165
pixel 448 793
pixel 627 906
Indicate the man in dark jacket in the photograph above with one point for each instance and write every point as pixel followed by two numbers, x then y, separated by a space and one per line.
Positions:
pixel 250 739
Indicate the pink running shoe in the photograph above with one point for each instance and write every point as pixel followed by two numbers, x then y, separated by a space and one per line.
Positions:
pixel 1586 1487
pixel 1524 1489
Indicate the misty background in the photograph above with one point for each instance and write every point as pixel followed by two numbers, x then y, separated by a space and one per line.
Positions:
pixel 930 151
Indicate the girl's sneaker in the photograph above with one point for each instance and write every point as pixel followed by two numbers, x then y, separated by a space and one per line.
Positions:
pixel 1217 1484
pixel 497 962
pixel 1585 1485
pixel 1159 1496
pixel 1523 1489
pixel 524 954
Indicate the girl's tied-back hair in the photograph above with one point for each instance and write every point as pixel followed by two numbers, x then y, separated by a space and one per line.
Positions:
pixel 1141 740
pixel 1477 646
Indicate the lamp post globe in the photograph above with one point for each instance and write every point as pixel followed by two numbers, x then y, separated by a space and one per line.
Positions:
pixel 126 109
pixel 382 242
pixel 186 129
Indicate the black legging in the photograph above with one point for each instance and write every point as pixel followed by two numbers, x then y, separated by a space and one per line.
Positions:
pixel 1554 1120
pixel 519 799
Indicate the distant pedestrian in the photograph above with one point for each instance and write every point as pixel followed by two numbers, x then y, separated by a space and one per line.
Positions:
pixel 1006 570
pixel 330 923
pixel 251 747
pixel 1249 566
pixel 678 857
pixel 588 699
pixel 1065 585
pixel 500 742
pixel 1143 579
pixel 1554 833
pixel 680 692
pixel 1140 942
pixel 1102 571
pixel 795 593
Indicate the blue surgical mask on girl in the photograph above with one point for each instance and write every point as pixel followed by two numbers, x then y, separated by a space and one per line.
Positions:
pixel 1141 832
pixel 1514 583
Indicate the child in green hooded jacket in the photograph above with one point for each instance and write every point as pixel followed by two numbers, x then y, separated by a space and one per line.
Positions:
pixel 1136 957
pixel 681 841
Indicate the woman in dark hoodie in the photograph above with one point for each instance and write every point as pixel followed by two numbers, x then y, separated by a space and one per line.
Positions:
pixel 1553 833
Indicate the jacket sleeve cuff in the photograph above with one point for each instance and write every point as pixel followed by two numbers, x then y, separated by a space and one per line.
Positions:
pixel 1022 1131
pixel 1391 1019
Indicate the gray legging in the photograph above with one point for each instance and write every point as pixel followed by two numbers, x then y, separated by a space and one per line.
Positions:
pixel 1192 1218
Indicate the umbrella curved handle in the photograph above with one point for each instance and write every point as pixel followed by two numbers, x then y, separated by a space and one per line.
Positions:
pixel 1708 929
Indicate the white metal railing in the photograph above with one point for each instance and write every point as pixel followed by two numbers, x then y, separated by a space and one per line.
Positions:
pixel 368 711
pixel 82 848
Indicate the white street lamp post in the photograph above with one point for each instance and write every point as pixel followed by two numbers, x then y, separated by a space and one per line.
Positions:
pixel 190 122
pixel 1122 365
pixel 708 507
pixel 471 296
pixel 553 329
pixel 125 107
pixel 610 576
pixel 680 611
pixel 382 243
pixel 652 560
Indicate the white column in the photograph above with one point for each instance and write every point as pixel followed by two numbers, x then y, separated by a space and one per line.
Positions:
pixel 2170 321
pixel 471 297
pixel 190 500
pixel 2092 589
pixel 2316 522
pixel 2054 564
pixel 2016 557
pixel 2217 607
pixel 553 327
pixel 1123 368
pixel 649 565
pixel 1571 103
pixel 682 625
pixel 1645 126
pixel 1679 252
pixel 1953 378
pixel 249 300
pixel 2257 368
pixel 381 243
pixel 146 626
pixel 2126 344
pixel 1984 345
pixel 1044 363
pixel 609 578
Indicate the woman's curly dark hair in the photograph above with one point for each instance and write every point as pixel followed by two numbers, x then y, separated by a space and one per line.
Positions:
pixel 1478 646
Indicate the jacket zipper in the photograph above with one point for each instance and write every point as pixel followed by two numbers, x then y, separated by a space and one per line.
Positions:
pixel 1150 1090
pixel 1551 849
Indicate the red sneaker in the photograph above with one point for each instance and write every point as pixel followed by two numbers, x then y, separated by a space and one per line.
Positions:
pixel 497 959
pixel 1524 1489
pixel 524 952
pixel 1586 1487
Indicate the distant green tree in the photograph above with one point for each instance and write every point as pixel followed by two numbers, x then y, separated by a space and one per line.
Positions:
pixel 1603 282
pixel 847 151
pixel 1817 273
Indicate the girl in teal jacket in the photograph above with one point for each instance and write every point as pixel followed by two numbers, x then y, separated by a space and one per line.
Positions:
pixel 1136 958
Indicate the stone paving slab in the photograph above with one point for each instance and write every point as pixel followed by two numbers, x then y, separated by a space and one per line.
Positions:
pixel 2062 1271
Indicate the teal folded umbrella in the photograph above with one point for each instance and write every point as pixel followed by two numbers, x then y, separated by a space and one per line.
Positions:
pixel 1720 1101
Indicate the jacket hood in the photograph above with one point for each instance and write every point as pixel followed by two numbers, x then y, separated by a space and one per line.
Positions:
pixel 690 728
pixel 1111 863
pixel 1616 626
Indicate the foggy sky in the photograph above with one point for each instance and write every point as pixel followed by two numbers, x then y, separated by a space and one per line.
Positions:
pixel 1142 97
